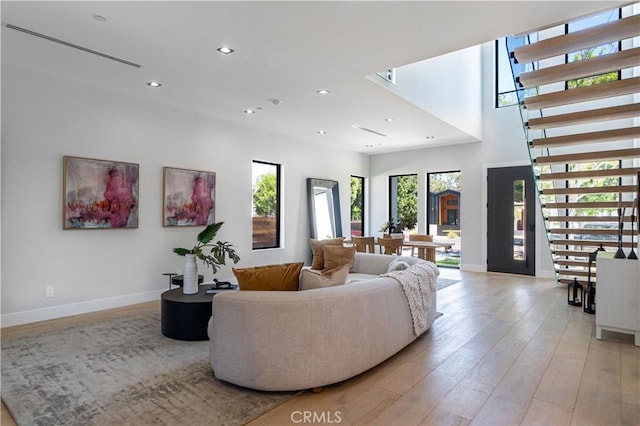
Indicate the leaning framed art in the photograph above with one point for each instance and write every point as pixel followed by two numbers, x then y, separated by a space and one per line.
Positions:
pixel 188 197
pixel 100 194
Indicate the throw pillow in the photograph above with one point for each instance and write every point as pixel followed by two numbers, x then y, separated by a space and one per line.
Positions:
pixel 336 256
pixel 398 265
pixel 318 254
pixel 282 277
pixel 312 279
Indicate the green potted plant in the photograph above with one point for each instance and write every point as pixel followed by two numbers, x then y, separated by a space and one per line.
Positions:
pixel 390 229
pixel 215 257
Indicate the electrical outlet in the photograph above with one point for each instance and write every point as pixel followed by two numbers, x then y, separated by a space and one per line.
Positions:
pixel 48 291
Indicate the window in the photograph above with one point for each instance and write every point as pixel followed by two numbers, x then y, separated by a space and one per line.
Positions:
pixel 403 202
pixel 357 206
pixel 266 205
pixel 593 52
pixel 506 92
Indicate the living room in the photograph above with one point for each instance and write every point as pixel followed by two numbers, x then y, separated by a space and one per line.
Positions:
pixel 53 105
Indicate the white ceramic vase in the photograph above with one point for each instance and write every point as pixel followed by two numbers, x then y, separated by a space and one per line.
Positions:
pixel 190 272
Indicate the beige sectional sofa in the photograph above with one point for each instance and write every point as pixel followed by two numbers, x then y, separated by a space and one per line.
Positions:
pixel 291 340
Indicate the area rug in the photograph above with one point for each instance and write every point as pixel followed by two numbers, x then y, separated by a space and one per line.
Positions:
pixel 121 371
pixel 445 282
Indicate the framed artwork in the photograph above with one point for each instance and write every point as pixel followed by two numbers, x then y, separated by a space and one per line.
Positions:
pixel 100 194
pixel 188 197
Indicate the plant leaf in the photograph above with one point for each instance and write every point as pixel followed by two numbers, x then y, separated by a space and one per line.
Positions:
pixel 181 251
pixel 209 232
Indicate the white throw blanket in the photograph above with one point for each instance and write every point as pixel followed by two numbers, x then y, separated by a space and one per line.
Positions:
pixel 418 282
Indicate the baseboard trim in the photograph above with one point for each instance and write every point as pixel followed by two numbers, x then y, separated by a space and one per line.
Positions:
pixel 52 312
pixel 473 268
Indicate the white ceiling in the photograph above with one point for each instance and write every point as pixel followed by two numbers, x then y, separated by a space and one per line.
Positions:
pixel 283 50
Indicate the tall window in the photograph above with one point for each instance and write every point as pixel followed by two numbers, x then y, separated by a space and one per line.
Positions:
pixel 403 202
pixel 357 206
pixel 593 52
pixel 266 205
pixel 506 90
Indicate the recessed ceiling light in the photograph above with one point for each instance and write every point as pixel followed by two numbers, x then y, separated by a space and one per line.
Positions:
pixel 249 111
pixel 388 120
pixel 322 92
pixel 321 132
pixel 154 84
pixel 99 18
pixel 225 50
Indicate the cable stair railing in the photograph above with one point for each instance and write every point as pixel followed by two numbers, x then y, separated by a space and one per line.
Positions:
pixel 581 140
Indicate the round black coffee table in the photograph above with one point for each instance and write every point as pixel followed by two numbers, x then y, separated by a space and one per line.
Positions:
pixel 186 316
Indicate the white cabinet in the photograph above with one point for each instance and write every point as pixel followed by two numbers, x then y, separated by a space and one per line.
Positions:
pixel 617 295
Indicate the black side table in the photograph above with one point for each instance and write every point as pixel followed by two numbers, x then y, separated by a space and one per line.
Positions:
pixel 186 316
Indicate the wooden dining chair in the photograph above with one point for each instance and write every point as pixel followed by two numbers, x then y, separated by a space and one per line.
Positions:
pixel 390 245
pixel 364 244
pixel 419 237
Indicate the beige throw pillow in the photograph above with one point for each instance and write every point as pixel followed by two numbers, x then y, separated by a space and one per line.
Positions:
pixel 336 256
pixel 312 279
pixel 318 254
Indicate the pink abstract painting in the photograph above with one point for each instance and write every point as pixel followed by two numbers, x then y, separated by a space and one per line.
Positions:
pixel 189 197
pixel 100 194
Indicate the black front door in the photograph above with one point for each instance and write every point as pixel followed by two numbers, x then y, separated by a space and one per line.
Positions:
pixel 511 220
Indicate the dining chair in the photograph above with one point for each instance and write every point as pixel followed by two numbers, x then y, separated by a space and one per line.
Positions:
pixel 390 245
pixel 419 237
pixel 363 244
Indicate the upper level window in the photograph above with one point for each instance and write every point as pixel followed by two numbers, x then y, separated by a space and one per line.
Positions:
pixel 592 52
pixel 266 205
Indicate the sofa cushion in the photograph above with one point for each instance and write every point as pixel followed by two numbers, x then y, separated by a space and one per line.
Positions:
pixel 336 256
pixel 282 277
pixel 310 279
pixel 318 254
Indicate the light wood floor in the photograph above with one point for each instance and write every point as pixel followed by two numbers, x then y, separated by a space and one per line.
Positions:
pixel 508 350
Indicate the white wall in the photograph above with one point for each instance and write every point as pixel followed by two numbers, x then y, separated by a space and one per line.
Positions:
pixel 503 144
pixel 45 118
pixel 448 86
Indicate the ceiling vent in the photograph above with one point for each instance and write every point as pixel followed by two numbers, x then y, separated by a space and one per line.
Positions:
pixel 364 129
pixel 75 46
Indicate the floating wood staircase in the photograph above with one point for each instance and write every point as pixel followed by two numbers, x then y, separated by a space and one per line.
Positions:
pixel 583 141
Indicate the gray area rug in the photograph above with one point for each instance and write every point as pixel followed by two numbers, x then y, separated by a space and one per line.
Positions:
pixel 445 282
pixel 121 371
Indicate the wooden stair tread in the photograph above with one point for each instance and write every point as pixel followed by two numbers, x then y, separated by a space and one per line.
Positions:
pixel 590 231
pixel 574 253
pixel 582 94
pixel 579 69
pixel 590 190
pixel 590 243
pixel 584 117
pixel 575 272
pixel 603 219
pixel 578 40
pixel 567 262
pixel 584 157
pixel 590 137
pixel 589 174
pixel 589 205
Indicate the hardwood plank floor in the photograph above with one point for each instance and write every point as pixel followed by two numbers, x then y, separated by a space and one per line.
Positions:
pixel 508 350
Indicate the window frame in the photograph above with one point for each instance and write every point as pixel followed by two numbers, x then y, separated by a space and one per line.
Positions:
pixel 277 213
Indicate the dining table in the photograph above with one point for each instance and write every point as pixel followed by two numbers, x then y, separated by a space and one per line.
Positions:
pixel 427 249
